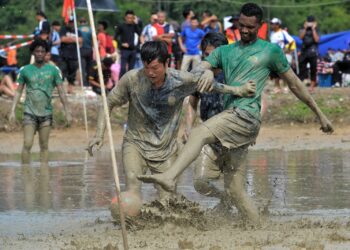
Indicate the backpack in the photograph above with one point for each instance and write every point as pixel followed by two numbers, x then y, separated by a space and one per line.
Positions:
pixel 109 44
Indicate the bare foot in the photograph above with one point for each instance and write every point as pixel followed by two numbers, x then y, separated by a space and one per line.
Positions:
pixel 167 184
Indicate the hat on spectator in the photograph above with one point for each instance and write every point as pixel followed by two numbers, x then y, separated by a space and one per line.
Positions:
pixel 234 18
pixel 276 20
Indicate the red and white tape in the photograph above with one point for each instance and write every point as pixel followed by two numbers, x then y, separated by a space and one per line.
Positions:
pixel 20 45
pixel 16 36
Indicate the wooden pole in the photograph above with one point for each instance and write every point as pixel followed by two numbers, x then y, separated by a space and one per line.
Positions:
pixel 108 123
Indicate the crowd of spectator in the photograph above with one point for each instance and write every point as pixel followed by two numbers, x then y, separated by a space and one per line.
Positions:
pixel 120 52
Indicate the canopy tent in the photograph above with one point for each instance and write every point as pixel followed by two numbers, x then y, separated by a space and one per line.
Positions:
pixel 98 5
pixel 339 40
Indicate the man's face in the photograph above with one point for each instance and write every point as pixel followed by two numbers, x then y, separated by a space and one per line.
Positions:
pixel 194 24
pixel 274 26
pixel 57 28
pixel 161 18
pixel 39 54
pixel 100 27
pixel 248 28
pixel 155 71
pixel 154 19
pixel 129 18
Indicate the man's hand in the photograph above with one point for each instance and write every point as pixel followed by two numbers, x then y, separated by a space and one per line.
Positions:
pixel 96 141
pixel 326 125
pixel 205 83
pixel 12 118
pixel 125 45
pixel 248 89
pixel 69 119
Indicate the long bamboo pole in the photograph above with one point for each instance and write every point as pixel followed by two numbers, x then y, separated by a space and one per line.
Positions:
pixel 109 129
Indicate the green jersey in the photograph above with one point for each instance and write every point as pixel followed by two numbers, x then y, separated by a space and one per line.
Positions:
pixel 39 83
pixel 241 63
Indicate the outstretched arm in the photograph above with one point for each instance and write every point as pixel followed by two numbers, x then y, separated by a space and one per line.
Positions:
pixel 117 97
pixel 16 99
pixel 190 116
pixel 296 86
pixel 63 98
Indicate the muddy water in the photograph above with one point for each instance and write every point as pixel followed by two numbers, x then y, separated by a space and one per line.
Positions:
pixel 73 190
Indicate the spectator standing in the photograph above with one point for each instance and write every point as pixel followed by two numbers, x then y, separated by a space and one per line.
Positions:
pixel 187 14
pixel 285 41
pixel 210 22
pixel 192 37
pixel 55 42
pixel 85 50
pixel 125 35
pixel 43 25
pixel 165 31
pixel 7 85
pixel 309 50
pixel 232 33
pixel 68 52
pixel 149 31
pixel 102 38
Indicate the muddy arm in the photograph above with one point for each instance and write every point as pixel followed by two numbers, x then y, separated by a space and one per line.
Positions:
pixel 16 99
pixel 64 100
pixel 299 90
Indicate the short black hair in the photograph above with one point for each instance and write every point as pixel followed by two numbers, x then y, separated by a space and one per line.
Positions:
pixel 129 12
pixel 311 18
pixel 55 23
pixel 104 24
pixel 252 9
pixel 154 50
pixel 214 39
pixel 107 62
pixel 41 13
pixel 39 43
pixel 186 12
pixel 194 18
pixel 208 12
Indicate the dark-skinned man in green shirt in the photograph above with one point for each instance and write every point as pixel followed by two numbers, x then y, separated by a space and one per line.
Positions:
pixel 238 125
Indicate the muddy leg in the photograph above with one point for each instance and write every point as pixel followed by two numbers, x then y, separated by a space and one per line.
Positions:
pixel 134 165
pixel 28 132
pixel 206 169
pixel 235 184
pixel 200 136
pixel 44 134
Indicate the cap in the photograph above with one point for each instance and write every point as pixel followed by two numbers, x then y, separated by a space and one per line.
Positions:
pixel 275 20
pixel 234 18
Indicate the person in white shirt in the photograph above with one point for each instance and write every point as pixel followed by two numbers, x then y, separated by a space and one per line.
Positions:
pixel 285 41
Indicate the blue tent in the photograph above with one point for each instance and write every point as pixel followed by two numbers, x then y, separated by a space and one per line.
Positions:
pixel 339 40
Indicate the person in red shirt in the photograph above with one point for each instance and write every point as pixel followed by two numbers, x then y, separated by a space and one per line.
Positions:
pixel 101 38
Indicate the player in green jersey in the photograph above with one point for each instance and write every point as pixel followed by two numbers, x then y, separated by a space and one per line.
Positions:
pixel 238 125
pixel 39 79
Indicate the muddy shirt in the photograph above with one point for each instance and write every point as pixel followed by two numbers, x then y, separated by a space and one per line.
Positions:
pixel 240 64
pixel 39 83
pixel 153 119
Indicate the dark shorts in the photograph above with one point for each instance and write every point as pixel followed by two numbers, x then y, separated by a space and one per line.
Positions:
pixel 37 121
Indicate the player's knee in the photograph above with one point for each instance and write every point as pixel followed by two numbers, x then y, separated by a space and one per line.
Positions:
pixel 27 144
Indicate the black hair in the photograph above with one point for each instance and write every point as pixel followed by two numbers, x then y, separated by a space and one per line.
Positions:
pixel 252 9
pixel 129 12
pixel 104 24
pixel 208 12
pixel 154 50
pixel 39 43
pixel 311 19
pixel 194 18
pixel 186 12
pixel 214 39
pixel 107 62
pixel 41 13
pixel 55 23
